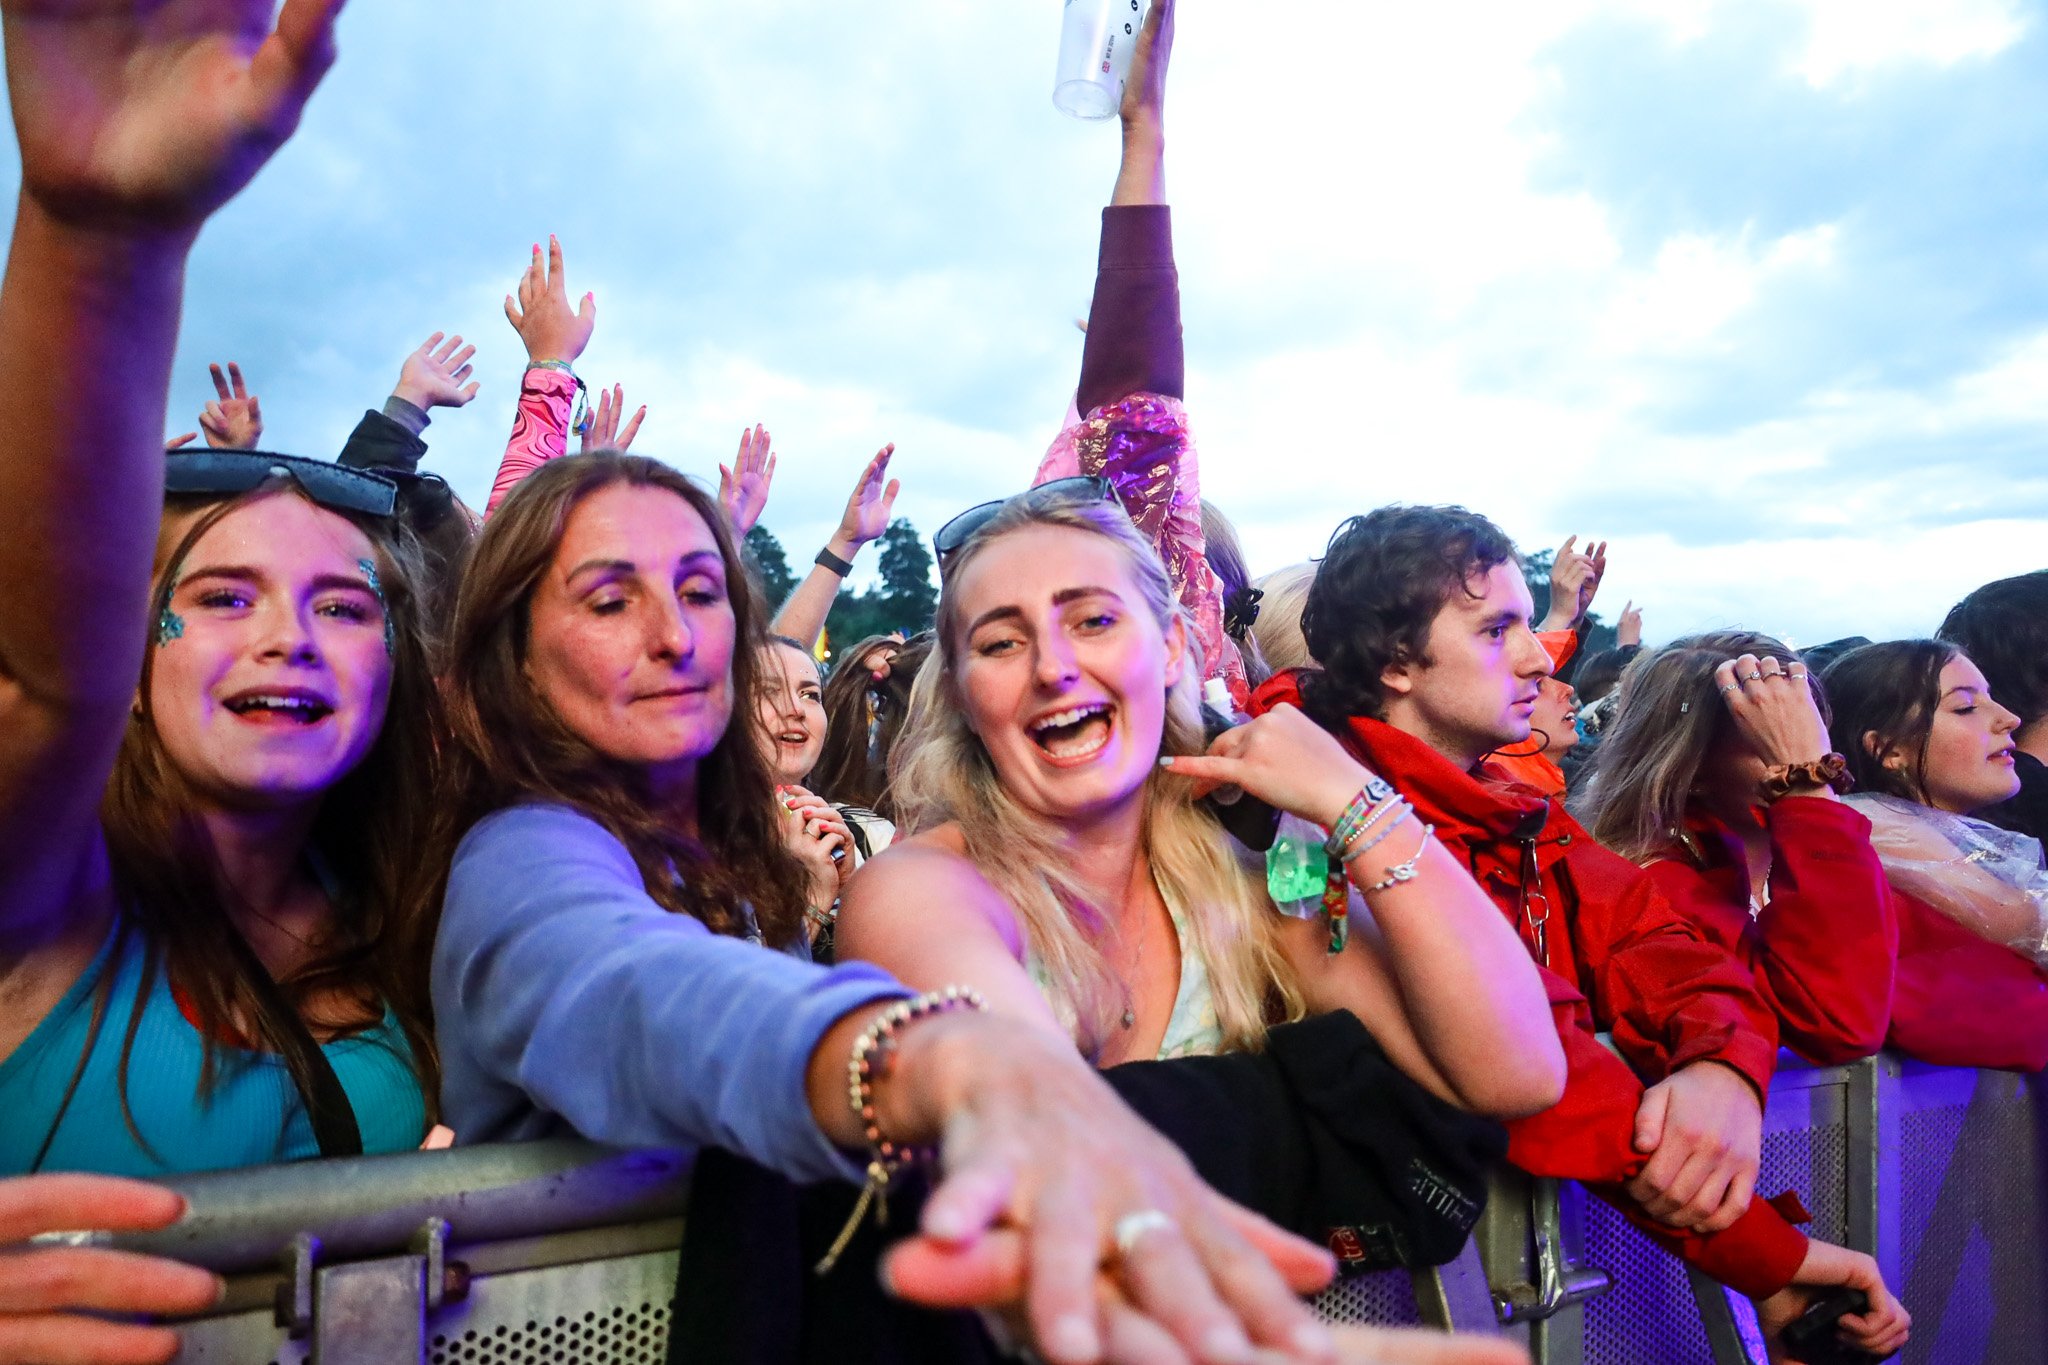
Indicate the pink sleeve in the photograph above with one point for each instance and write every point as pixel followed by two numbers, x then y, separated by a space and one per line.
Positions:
pixel 540 430
pixel 1142 445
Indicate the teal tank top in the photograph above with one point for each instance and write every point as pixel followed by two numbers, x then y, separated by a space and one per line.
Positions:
pixel 253 1117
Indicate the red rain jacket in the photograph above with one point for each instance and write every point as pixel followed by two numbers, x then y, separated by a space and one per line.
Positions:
pixel 1850 964
pixel 1616 955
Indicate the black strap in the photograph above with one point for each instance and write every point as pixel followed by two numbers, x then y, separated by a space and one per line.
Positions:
pixel 327 1106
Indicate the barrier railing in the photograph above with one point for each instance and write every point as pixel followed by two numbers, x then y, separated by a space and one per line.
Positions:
pixel 560 1251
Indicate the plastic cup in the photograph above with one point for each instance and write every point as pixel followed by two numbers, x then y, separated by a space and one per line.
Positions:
pixel 1097 38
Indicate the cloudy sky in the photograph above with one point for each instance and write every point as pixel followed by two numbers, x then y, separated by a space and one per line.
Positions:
pixel 1756 289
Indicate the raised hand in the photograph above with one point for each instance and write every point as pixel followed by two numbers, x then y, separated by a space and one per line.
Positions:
pixel 437 374
pixel 234 420
pixel 1574 581
pixel 743 489
pixel 1774 709
pixel 1628 630
pixel 151 114
pixel 52 1297
pixel 551 329
pixel 600 429
pixel 1145 89
pixel 1141 176
pixel 869 505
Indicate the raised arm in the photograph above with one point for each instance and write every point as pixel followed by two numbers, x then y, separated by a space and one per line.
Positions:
pixel 436 375
pixel 802 617
pixel 555 335
pixel 136 121
pixel 1133 343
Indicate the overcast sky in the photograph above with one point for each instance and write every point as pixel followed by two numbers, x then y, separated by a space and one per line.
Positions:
pixel 1756 289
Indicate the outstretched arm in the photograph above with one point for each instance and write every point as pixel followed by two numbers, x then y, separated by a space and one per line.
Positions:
pixel 136 120
pixel 802 617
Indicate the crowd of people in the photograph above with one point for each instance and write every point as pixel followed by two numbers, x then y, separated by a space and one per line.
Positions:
pixel 1154 936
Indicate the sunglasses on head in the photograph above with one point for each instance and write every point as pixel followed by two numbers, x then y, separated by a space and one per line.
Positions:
pixel 228 472
pixel 958 531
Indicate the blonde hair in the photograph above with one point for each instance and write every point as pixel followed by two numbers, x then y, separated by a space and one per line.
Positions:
pixel 1278 629
pixel 942 774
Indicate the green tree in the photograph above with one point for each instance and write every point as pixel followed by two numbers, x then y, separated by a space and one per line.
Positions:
pixel 769 566
pixel 906 589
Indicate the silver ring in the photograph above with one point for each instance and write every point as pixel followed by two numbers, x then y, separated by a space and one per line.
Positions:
pixel 1796 671
pixel 1733 687
pixel 1132 1227
pixel 1757 676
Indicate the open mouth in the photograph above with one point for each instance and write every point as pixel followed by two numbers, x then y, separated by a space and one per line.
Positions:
pixel 795 739
pixel 289 708
pixel 1077 732
pixel 2004 755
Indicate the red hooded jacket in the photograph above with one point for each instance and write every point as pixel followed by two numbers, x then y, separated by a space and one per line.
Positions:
pixel 1850 964
pixel 1614 954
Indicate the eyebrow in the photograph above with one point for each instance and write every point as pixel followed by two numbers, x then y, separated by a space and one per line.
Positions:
pixel 326 582
pixel 628 567
pixel 1059 599
pixel 1971 688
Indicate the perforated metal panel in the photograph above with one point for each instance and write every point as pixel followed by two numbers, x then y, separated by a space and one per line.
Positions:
pixel 1384 1298
pixel 610 1311
pixel 1970 1227
pixel 1648 1317
pixel 1812 1161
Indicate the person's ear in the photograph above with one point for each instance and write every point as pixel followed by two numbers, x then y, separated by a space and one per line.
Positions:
pixel 1887 755
pixel 1176 650
pixel 1398 679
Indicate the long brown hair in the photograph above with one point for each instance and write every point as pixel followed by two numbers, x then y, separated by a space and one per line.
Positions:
pixel 1669 716
pixel 370 829
pixel 510 746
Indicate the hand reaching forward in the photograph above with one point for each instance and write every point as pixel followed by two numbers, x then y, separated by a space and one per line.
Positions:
pixel 1574 581
pixel 234 420
pixel 437 374
pixel 1034 1141
pixel 153 113
pixel 50 1296
pixel 1703 1129
pixel 600 429
pixel 743 489
pixel 869 505
pixel 551 329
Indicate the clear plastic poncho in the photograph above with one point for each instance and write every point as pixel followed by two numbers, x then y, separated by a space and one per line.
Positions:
pixel 1989 880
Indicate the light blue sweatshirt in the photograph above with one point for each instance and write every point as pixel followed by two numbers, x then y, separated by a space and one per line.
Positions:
pixel 567 1001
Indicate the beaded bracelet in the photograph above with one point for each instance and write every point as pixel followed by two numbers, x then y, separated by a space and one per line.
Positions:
pixel 868 1064
pixel 1401 873
pixel 1370 844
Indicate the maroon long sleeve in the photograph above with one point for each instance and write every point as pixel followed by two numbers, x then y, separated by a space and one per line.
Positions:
pixel 1134 340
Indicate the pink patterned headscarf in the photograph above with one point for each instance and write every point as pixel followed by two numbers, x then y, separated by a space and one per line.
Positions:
pixel 1142 445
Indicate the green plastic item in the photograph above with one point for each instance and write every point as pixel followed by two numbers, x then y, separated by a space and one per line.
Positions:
pixel 1296 870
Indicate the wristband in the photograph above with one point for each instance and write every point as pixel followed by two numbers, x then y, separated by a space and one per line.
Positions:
pixel 827 560
pixel 561 365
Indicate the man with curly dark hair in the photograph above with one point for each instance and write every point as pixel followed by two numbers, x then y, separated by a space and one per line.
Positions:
pixel 1420 618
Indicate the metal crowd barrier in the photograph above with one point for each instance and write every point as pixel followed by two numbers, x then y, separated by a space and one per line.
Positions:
pixel 560 1251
